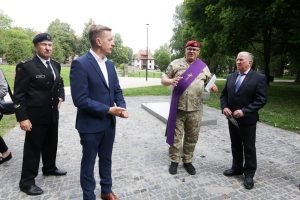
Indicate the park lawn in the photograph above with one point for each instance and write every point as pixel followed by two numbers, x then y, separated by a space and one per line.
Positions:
pixel 142 74
pixel 282 109
pixel 9 71
pixel 148 91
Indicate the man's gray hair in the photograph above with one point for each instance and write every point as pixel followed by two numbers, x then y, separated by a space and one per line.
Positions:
pixel 249 55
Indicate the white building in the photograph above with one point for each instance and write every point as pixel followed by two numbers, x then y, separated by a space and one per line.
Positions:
pixel 141 60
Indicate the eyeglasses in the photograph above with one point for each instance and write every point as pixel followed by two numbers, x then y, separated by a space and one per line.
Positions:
pixel 192 49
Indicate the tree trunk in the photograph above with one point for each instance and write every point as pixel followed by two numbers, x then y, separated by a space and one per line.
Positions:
pixel 267 53
pixel 297 80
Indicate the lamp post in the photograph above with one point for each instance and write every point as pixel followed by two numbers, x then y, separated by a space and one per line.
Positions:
pixel 147 55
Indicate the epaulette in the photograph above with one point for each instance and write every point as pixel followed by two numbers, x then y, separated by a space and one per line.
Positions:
pixel 26 60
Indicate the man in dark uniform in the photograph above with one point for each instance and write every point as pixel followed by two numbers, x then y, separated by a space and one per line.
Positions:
pixel 38 93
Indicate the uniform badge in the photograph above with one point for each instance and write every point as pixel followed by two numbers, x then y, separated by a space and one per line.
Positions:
pixel 40 76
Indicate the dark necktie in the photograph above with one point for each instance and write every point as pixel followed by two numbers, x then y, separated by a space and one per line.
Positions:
pixel 239 81
pixel 50 69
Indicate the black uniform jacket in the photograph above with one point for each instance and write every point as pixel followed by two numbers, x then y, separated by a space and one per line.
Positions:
pixel 36 92
pixel 251 96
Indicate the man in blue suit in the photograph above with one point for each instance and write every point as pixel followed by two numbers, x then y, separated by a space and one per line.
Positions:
pixel 98 97
pixel 244 94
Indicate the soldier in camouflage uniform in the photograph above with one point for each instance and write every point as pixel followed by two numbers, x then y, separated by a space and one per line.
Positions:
pixel 190 108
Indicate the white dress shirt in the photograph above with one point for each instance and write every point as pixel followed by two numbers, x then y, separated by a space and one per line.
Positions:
pixel 102 65
pixel 44 62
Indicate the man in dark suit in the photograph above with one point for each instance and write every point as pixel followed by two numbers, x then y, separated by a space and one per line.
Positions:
pixel 98 97
pixel 38 93
pixel 243 95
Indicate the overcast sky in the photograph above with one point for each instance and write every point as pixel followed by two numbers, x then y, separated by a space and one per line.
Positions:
pixel 127 17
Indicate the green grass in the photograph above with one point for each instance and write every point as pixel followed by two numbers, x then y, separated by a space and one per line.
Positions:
pixel 148 91
pixel 65 74
pixel 9 72
pixel 8 121
pixel 142 74
pixel 282 109
pixel 285 77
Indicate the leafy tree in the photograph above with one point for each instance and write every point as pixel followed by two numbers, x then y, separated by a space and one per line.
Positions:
pixel 18 50
pixel 5 24
pixel 261 27
pixel 84 43
pixel 58 53
pixel 64 36
pixel 5 21
pixel 291 28
pixel 162 57
pixel 21 37
pixel 119 53
pixel 193 21
pixel 182 33
pixel 129 54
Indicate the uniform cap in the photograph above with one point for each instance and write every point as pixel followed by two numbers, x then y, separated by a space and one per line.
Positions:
pixel 41 37
pixel 192 43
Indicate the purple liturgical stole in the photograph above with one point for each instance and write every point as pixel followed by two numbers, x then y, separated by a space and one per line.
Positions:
pixel 187 78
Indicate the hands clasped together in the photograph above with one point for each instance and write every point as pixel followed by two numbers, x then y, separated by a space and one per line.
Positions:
pixel 237 113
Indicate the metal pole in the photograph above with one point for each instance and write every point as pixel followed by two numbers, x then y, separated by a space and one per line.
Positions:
pixel 147 55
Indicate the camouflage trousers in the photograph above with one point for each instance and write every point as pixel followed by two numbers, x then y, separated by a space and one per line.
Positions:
pixel 186 135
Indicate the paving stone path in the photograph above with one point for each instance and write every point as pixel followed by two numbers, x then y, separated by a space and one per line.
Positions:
pixel 140 162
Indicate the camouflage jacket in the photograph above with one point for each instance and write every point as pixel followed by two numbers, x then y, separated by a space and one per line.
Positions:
pixel 191 99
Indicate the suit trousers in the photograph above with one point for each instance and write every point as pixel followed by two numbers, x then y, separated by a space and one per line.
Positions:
pixel 41 140
pixel 94 144
pixel 3 147
pixel 243 148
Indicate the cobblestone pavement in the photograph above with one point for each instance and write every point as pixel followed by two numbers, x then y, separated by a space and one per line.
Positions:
pixel 140 162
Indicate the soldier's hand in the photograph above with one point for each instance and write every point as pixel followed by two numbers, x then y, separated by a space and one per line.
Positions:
pixel 175 81
pixel 214 88
pixel 26 125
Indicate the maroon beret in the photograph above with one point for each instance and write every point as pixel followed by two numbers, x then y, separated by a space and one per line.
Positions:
pixel 192 43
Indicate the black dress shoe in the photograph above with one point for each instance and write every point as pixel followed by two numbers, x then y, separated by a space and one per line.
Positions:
pixel 173 168
pixel 189 168
pixel 232 172
pixel 248 183
pixel 2 160
pixel 31 190
pixel 57 172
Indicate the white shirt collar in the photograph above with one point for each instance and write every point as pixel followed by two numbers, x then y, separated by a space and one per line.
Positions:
pixel 43 60
pixel 246 72
pixel 97 57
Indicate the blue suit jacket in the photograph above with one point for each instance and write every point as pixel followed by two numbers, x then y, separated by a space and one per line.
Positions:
pixel 251 96
pixel 91 94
